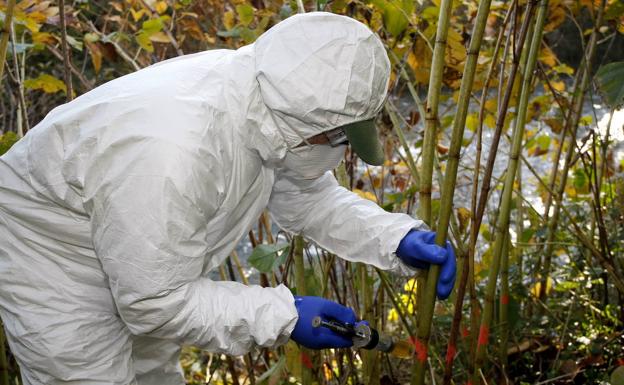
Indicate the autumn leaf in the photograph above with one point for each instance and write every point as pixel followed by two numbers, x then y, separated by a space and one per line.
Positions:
pixel 96 55
pixel 137 15
pixel 161 7
pixel 365 194
pixel 229 20
pixel 548 57
pixel 46 83
pixel 160 37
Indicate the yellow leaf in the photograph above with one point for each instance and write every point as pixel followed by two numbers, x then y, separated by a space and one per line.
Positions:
pixel 555 124
pixel 472 122
pixel 46 83
pixel 556 17
pixel 420 61
pixel 137 15
pixel 144 41
pixel 491 105
pixel 464 215
pixel 161 7
pixel 558 86
pixel 548 57
pixel 96 55
pixel 229 20
pixel 159 37
pixel 365 194
pixel 490 120
pixel 43 38
pixel 535 289
pixel 564 69
pixel 410 286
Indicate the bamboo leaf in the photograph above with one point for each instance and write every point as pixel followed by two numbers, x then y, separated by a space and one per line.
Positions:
pixel 610 79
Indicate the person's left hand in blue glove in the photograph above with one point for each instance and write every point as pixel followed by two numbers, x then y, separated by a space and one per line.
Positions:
pixel 321 337
pixel 418 249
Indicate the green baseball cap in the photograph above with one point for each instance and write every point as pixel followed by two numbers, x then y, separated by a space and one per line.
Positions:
pixel 365 142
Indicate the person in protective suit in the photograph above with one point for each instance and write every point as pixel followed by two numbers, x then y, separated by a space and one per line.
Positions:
pixel 115 207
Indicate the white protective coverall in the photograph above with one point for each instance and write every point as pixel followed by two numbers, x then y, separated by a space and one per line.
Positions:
pixel 115 207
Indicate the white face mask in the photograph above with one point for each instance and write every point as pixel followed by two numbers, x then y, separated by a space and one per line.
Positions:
pixel 312 161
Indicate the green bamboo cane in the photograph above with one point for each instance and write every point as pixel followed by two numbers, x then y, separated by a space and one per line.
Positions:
pixel 502 223
pixel 370 357
pixel 446 204
pixel 518 58
pixel 306 354
pixel 458 132
pixel 575 117
pixel 431 109
pixel 504 306
pixel 428 153
pixel 6 32
pixel 519 228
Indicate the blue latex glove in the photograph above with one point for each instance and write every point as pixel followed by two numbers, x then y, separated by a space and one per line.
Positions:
pixel 320 337
pixel 418 249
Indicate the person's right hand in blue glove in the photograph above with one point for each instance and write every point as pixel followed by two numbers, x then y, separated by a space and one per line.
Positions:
pixel 321 337
pixel 418 249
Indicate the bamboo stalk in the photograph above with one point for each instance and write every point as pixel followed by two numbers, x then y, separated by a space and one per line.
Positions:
pixel 502 223
pixel 428 152
pixel 6 33
pixel 370 358
pixel 519 228
pixel 431 110
pixel 23 125
pixel 479 210
pixel 502 115
pixel 504 308
pixel 306 354
pixel 458 132
pixel 576 115
pixel 66 52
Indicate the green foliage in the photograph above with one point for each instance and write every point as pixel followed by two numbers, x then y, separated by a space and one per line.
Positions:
pixel 610 79
pixel 7 140
pixel 267 257
pixel 395 14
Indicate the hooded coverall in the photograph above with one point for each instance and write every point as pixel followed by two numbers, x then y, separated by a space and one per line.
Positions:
pixel 116 206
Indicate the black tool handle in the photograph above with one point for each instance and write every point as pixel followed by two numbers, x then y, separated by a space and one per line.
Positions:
pixel 346 330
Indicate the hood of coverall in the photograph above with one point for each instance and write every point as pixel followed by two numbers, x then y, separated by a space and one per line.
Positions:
pixel 318 71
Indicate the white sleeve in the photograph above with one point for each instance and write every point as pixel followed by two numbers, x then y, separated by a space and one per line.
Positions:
pixel 339 220
pixel 149 211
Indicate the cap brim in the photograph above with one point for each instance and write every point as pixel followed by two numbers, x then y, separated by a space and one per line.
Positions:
pixel 365 142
